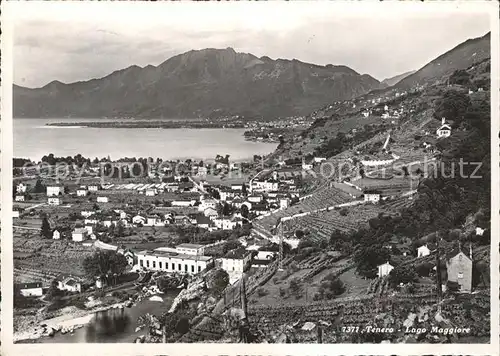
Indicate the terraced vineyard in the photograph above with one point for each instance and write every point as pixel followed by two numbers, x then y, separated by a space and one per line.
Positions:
pixel 27 274
pixel 398 204
pixel 394 185
pixel 320 226
pixel 321 199
pixel 365 310
pixel 378 287
pixel 51 256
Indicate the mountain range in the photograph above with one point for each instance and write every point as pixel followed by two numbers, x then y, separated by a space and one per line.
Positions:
pixel 198 83
pixel 220 82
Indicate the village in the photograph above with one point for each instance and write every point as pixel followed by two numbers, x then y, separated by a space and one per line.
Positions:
pixel 309 238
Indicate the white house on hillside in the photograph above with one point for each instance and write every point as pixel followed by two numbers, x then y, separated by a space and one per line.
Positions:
pixel 70 284
pixel 21 188
pixel 102 199
pixel 54 201
pixel 20 198
pixel 372 196
pixel 56 235
pixel 79 234
pixel 444 130
pixel 423 251
pixel 54 190
pixel 93 188
pixel 29 289
pixel 385 269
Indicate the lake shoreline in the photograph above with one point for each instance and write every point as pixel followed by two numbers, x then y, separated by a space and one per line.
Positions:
pixel 151 124
pixel 36 137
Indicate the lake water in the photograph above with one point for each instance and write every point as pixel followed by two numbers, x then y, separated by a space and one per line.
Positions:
pixel 33 140
pixel 115 325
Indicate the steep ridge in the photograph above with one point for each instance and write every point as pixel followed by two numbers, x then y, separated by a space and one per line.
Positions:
pixel 462 56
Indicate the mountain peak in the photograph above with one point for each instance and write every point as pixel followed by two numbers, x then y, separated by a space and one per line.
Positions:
pixel 54 84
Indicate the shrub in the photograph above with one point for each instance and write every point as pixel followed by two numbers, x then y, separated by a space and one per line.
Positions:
pixel 332 285
pixel 282 292
pixel 460 77
pixel 424 269
pixel 296 287
pixel 299 234
pixel 402 275
pixel 343 212
pixel 294 267
pixel 261 292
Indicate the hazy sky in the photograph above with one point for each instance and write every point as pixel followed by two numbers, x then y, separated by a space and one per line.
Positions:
pixel 71 41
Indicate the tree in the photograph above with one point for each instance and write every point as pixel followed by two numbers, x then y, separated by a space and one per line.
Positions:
pixel 53 292
pixel 104 264
pixel 402 274
pixel 217 281
pixel 120 229
pixel 39 187
pixel 331 286
pixel 244 211
pixel 460 77
pixel 370 253
pixel 343 212
pixel 230 245
pixel 453 106
pixel 46 231
pixel 226 209
pixel 299 234
pixel 424 269
pixel 111 230
pixel 296 287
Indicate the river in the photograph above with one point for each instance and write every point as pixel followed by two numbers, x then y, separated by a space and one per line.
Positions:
pixel 33 139
pixel 114 325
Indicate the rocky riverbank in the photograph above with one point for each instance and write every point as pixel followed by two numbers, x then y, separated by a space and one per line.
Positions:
pixel 69 319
